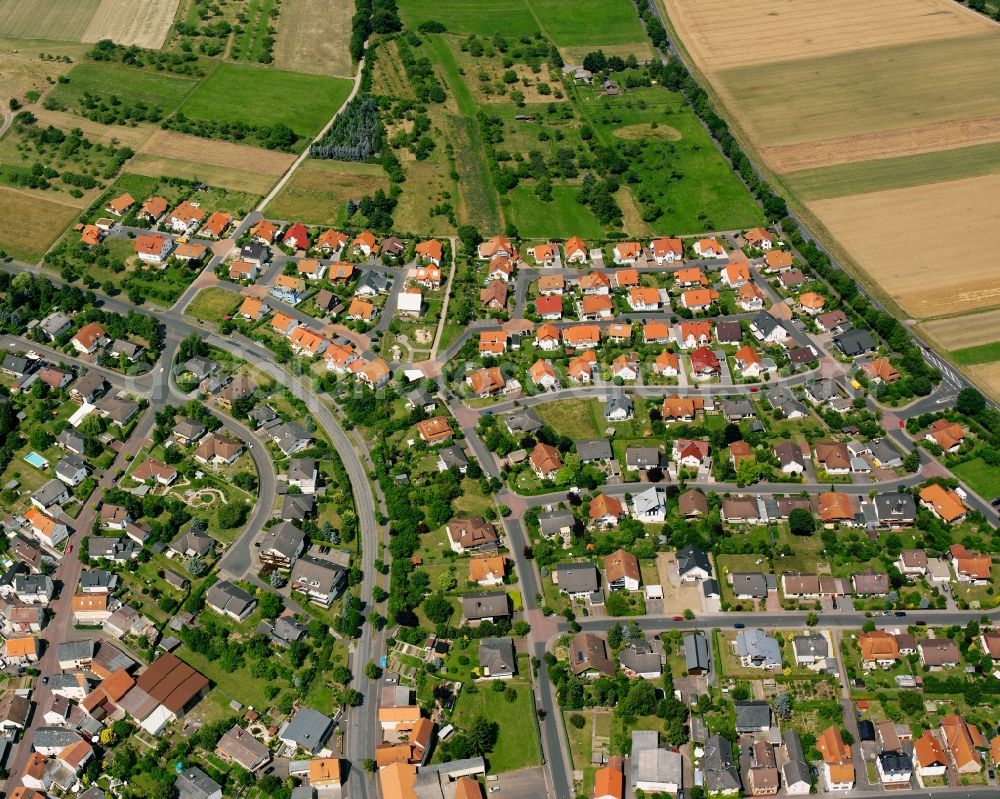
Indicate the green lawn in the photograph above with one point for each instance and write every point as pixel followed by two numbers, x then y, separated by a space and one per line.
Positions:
pixel 588 22
pixel 517 746
pixel 240 93
pixel 982 353
pixel 981 477
pixel 164 91
pixel 211 304
pixel 510 18
pixel 563 217
pixel 575 419
pixel 687 179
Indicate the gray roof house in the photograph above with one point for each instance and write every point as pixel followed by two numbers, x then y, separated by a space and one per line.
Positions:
pixel 118 550
pixel 693 564
pixel 757 649
pixel 72 470
pixel 556 522
pixel 188 430
pixel 372 282
pixel 736 409
pixel 243 748
pixel 721 774
pixel 650 505
pixel 576 579
pixel 642 458
pixel 308 729
pixel 854 342
pixel 51 492
pixel 200 368
pixel 73 654
pixel 749 585
pixel 229 600
pixel 419 398
pixel 88 386
pixel 193 783
pixel 453 457
pixel 282 544
pixel 50 741
pixel 523 420
pixel 619 408
pixel 318 579
pixel 55 324
pixel 296 507
pixel 639 659
pixel 497 658
pixel 810 648
pixel 290 437
pixel 753 716
pixel 795 771
pixel 71 441
pixel 485 606
pixel 697 659
pixel 895 509
pixel 594 449
pixel 191 542
pixel 302 473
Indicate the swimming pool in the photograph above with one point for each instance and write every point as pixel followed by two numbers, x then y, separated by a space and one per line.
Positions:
pixel 36 460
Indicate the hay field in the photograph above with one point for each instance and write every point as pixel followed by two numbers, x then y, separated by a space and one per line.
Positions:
pixel 907 240
pixel 720 34
pixel 313 36
pixel 127 22
pixel 960 332
pixel 317 191
pixel 869 146
pixel 60 20
pixel 169 144
pixel 22 71
pixel 225 177
pixel 866 91
pixel 48 220
pixel 987 377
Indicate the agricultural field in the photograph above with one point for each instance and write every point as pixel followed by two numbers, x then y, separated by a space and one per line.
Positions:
pixel 25 71
pixel 117 135
pixel 313 36
pixel 240 93
pixel 469 16
pixel 899 237
pixel 127 22
pixel 60 20
pixel 48 220
pixel 965 332
pixel 901 114
pixel 254 42
pixel 317 191
pixel 232 166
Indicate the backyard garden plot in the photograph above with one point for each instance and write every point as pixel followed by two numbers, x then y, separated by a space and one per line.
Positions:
pixel 313 36
pixel 811 28
pixel 905 237
pixel 260 96
pixel 318 190
pixel 61 20
pixel 944 80
pixel 128 22
pixel 48 220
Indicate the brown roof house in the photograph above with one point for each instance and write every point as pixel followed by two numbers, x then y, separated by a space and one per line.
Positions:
pixel 589 653
pixel 469 534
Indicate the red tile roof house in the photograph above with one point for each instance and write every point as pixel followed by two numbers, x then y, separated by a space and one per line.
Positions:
pixel 430 251
pixel 264 232
pixel 498 246
pixel 544 254
pixel 605 511
pixel 152 248
pixel 546 338
pixel 296 237
pixel 690 454
pixel 549 307
pixel 90 338
pixel 576 250
pixel 185 218
pixel 501 268
pixel 153 209
pixel 627 252
pixel 331 241
pixel 709 248
pixel 216 225
pixel 120 205
pixel 545 461
pixel 704 364
pixel 667 250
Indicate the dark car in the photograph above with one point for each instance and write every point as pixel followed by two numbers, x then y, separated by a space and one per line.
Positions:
pixel 739 625
pixel 921 623
pixel 900 614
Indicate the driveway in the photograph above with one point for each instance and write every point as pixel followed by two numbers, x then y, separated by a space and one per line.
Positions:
pixel 528 783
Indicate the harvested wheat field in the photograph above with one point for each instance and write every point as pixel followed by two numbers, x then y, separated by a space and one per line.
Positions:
pixel 129 22
pixel 987 377
pixel 313 36
pixel 720 34
pixel 909 241
pixel 224 177
pixel 59 20
pixel 317 191
pixel 959 332
pixel 22 71
pixel 895 87
pixel 168 144
pixel 48 220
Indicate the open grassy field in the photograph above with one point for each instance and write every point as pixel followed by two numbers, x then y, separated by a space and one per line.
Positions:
pixel 23 71
pixel 212 304
pixel 507 17
pixel 563 217
pixel 118 135
pixel 317 191
pixel 834 96
pixel 980 477
pixel 240 93
pixel 811 28
pixel 983 353
pixel 517 743
pixel 63 20
pixel 131 85
pixel 48 220
pixel 128 22
pixel 225 177
pixel 589 23
pixel 862 177
pixel 687 178
pixel 900 238
pixel 313 36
